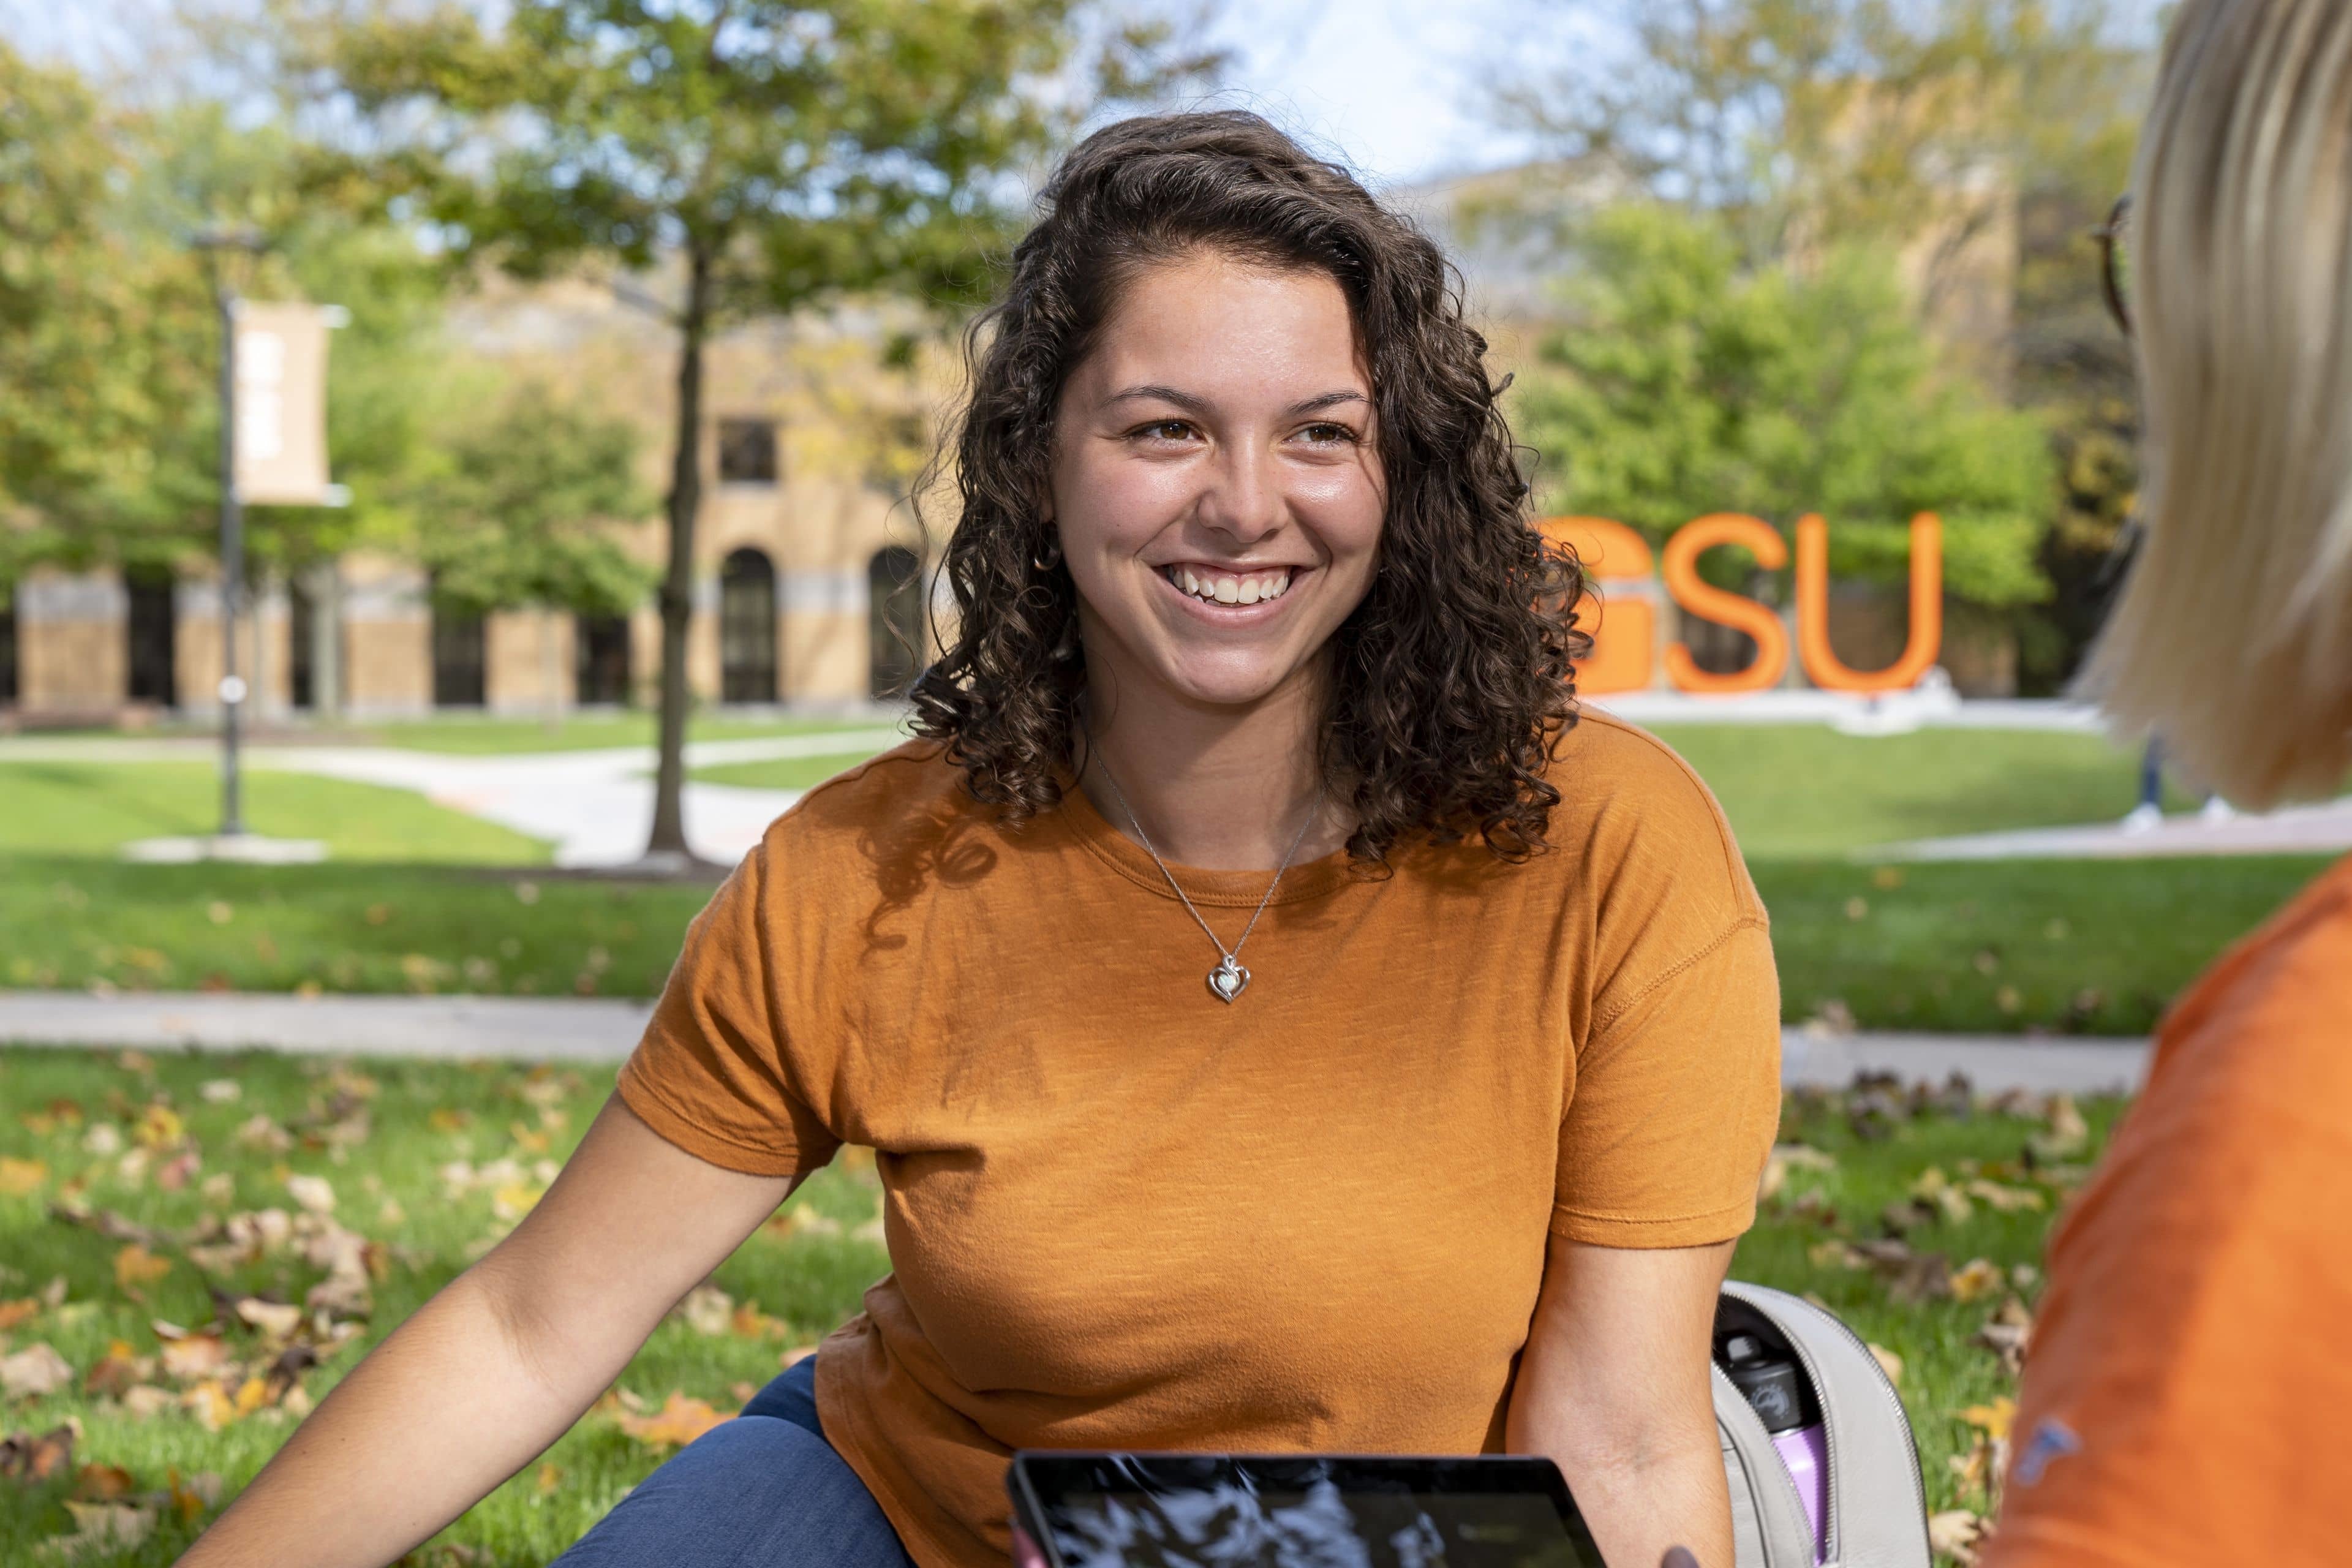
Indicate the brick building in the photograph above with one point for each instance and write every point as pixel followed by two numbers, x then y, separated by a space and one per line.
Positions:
pixel 807 588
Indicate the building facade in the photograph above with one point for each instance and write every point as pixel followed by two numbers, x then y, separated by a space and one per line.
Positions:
pixel 809 565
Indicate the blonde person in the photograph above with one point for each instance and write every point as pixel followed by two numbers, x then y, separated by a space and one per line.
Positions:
pixel 1280 1023
pixel 2188 1397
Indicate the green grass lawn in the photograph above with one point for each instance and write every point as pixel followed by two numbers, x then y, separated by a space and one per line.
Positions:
pixel 78 808
pixel 91 923
pixel 2069 946
pixel 785 772
pixel 2066 946
pixel 429 1163
pixel 2093 946
pixel 1804 789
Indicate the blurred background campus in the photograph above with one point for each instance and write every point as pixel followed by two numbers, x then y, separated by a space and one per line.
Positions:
pixel 617 293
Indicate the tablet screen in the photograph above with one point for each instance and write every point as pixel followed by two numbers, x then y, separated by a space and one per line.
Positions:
pixel 1203 1511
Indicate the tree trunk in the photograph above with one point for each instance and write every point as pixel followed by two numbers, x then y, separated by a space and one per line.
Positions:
pixel 668 838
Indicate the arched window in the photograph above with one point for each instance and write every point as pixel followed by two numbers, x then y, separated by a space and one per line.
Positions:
pixel 894 620
pixel 747 628
pixel 601 646
pixel 460 654
pixel 7 642
pixel 152 632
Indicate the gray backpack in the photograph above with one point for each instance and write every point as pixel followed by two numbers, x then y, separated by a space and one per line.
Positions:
pixel 1876 1515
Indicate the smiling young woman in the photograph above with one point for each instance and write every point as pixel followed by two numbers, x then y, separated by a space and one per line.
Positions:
pixel 1282 1021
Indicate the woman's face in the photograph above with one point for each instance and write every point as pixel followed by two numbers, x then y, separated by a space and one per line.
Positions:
pixel 1217 484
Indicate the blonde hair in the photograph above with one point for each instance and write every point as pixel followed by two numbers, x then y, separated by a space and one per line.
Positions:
pixel 2232 637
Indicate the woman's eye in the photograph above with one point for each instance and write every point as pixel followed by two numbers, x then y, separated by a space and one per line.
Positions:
pixel 1163 430
pixel 1328 431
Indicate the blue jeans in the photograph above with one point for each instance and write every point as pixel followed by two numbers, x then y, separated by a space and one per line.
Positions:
pixel 764 1488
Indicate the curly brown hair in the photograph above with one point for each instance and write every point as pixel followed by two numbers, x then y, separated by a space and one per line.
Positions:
pixel 1451 680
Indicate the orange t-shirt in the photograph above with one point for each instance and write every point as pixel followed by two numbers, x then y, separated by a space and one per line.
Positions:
pixel 1124 1214
pixel 2188 1397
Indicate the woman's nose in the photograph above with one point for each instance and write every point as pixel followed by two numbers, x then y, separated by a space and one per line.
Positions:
pixel 1244 499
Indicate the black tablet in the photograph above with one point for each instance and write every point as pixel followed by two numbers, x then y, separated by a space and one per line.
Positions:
pixel 1218 1510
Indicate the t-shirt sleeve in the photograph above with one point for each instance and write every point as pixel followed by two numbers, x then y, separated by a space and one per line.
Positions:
pixel 1674 1090
pixel 1675 1102
pixel 717 1072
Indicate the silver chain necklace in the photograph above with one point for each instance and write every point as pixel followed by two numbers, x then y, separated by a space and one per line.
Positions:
pixel 1228 979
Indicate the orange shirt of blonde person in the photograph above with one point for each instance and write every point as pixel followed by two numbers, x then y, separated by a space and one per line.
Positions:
pixel 2187 1396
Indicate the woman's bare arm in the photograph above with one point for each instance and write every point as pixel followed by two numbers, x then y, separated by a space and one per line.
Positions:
pixel 1613 1386
pixel 501 1362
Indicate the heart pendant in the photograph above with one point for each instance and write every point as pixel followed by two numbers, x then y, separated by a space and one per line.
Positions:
pixel 1228 979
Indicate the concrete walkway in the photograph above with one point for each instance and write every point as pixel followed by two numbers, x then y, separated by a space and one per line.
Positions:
pixel 593 806
pixel 534 1028
pixel 2324 829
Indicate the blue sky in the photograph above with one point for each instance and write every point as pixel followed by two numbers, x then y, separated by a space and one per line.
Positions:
pixel 1390 84
pixel 1393 86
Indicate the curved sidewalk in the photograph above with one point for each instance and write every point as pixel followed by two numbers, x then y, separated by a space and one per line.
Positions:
pixel 596 1029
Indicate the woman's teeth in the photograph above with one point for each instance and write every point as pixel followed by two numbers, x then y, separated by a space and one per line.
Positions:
pixel 1232 587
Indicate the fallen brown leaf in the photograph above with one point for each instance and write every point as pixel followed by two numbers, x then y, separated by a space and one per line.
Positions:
pixel 102 1483
pixel 678 1422
pixel 32 1459
pixel 1978 1276
pixel 19 1177
pixel 1956 1534
pixel 99 1527
pixel 14 1313
pixel 195 1357
pixel 134 1267
pixel 144 1400
pixel 35 1371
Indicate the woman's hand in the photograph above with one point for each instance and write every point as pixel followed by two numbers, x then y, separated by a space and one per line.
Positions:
pixel 502 1362
pixel 1613 1388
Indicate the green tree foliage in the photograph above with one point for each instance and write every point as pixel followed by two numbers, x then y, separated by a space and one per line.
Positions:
pixel 1806 120
pixel 102 385
pixel 387 370
pixel 760 155
pixel 110 340
pixel 1986 137
pixel 1687 382
pixel 520 513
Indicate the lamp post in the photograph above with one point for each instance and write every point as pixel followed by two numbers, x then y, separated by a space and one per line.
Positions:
pixel 218 242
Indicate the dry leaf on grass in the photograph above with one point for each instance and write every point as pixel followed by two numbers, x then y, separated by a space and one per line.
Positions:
pixel 1956 1534
pixel 192 1358
pixel 14 1313
pixel 678 1422
pixel 99 1527
pixel 750 1323
pixel 144 1400
pixel 707 1310
pixel 35 1371
pixel 33 1459
pixel 19 1177
pixel 315 1194
pixel 2007 1333
pixel 134 1267
pixel 1978 1276
pixel 102 1483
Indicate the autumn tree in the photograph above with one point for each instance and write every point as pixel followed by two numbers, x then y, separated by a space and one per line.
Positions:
pixel 757 156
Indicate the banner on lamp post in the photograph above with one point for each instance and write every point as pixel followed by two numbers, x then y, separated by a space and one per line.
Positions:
pixel 281 405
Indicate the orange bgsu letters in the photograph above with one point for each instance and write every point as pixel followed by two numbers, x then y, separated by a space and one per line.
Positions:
pixel 1736 610
pixel 1927 636
pixel 1615 559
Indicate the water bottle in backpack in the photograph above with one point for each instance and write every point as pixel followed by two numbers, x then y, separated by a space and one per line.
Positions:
pixel 1816 1448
